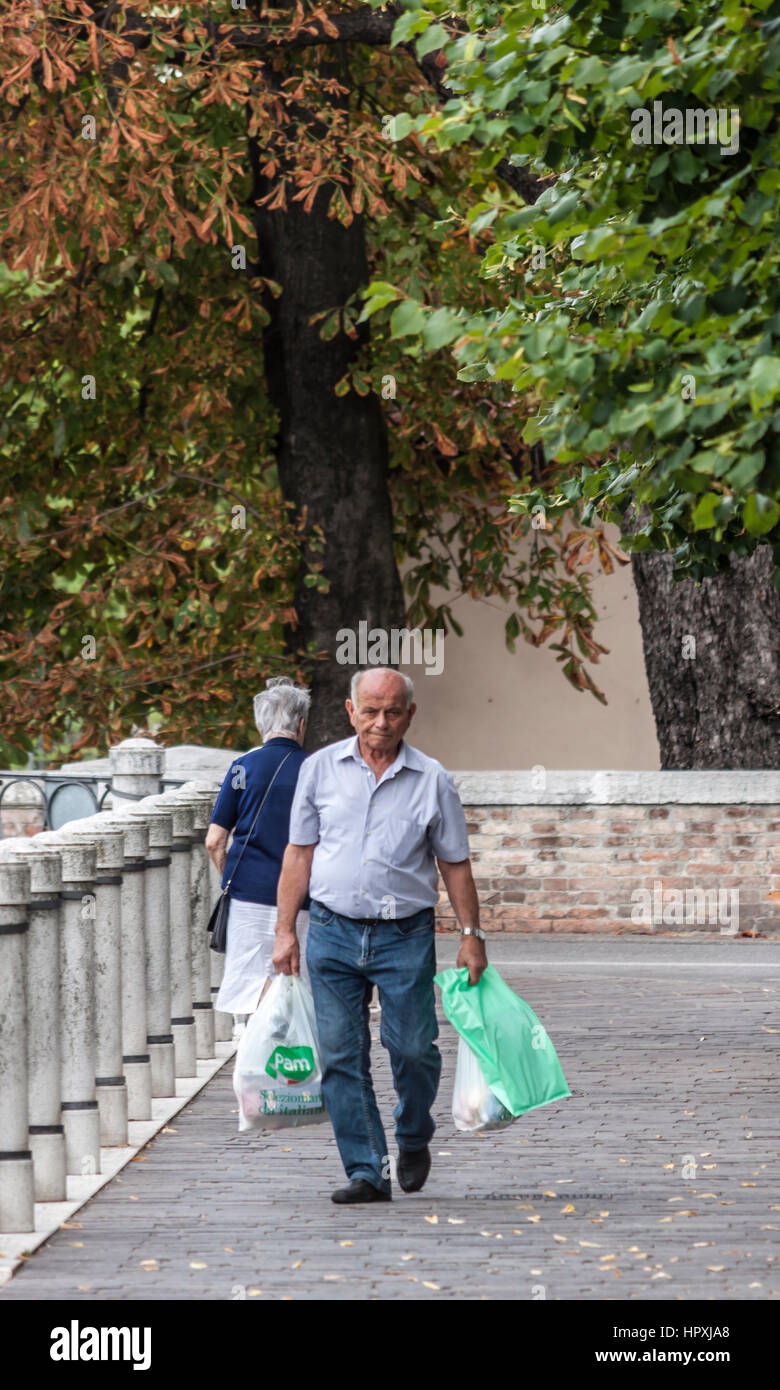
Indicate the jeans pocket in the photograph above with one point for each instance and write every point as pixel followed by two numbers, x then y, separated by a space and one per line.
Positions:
pixel 319 915
pixel 419 922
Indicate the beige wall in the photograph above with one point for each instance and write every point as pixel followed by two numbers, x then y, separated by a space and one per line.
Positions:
pixel 490 709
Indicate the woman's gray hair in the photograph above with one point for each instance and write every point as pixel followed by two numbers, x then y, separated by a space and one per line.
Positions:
pixel 279 707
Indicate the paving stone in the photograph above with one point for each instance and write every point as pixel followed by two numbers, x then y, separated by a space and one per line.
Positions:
pixel 640 1042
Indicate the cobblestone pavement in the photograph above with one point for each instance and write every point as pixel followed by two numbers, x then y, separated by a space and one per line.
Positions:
pixel 657 1179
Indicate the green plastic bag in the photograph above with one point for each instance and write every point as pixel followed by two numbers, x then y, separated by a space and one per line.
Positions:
pixel 515 1054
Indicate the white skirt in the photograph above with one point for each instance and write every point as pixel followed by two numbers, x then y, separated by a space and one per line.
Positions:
pixel 250 947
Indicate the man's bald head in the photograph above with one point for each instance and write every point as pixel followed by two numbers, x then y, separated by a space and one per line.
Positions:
pixel 374 680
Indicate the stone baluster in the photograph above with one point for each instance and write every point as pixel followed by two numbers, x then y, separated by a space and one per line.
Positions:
pixel 80 1116
pixel 157 945
pixel 17 1212
pixel 110 1082
pixel 136 771
pixel 47 1139
pixel 135 1055
pixel 182 1017
pixel 203 795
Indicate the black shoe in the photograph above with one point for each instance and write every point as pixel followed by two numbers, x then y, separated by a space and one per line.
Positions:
pixel 413 1169
pixel 359 1191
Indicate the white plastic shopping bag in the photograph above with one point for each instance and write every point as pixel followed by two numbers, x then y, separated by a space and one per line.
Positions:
pixel 474 1106
pixel 278 1073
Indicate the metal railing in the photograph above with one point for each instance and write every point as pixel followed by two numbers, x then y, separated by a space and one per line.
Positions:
pixel 65 796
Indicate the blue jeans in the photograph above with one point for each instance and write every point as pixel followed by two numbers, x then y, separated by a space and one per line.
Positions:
pixel 345 958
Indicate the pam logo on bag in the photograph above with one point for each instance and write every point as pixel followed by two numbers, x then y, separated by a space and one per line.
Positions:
pixel 291 1064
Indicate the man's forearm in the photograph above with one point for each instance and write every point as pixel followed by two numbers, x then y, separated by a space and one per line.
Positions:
pixel 293 886
pixel 459 883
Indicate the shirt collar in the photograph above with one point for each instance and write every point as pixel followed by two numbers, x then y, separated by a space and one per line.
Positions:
pixel 280 742
pixel 406 756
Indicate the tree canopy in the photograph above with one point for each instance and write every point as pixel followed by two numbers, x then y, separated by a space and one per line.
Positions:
pixel 150 553
pixel 639 308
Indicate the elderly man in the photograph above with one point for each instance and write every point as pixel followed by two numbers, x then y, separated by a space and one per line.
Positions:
pixel 371 819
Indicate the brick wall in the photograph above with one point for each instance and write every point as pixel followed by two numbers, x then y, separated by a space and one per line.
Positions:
pixel 562 864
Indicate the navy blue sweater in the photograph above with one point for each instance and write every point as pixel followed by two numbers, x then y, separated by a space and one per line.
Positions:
pixel 261 863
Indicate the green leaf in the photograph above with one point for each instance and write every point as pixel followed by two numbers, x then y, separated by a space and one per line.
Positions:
pixel 704 511
pixel 398 127
pixel 435 37
pixel 764 377
pixel 760 514
pixel 441 327
pixel 407 319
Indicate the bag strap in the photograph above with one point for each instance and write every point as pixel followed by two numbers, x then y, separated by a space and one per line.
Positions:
pixel 254 822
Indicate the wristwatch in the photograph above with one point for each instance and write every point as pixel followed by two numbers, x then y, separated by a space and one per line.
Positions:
pixel 473 931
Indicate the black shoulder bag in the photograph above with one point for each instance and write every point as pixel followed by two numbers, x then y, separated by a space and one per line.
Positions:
pixel 219 917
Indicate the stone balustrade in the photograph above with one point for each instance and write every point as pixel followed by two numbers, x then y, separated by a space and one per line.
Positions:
pixel 106 977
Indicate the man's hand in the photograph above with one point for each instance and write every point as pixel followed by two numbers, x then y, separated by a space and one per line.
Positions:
pixel 287 954
pixel 472 954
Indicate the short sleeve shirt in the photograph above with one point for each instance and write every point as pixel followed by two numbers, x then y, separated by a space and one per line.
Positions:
pixel 377 843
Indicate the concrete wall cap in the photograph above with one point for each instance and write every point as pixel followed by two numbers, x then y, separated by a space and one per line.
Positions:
pixel 542 786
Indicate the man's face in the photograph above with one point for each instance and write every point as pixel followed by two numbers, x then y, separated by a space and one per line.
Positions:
pixel 380 717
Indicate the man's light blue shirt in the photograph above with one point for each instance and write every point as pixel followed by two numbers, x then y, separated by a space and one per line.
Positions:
pixel 377 842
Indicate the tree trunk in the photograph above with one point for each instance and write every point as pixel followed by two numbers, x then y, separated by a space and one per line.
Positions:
pixel 712 655
pixel 332 450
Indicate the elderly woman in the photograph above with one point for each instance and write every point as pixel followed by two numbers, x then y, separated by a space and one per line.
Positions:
pixel 269 772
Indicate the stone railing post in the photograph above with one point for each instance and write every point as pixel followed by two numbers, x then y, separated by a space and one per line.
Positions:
pixel 80 1116
pixel 135 1055
pixel 157 942
pixel 182 1018
pixel 136 771
pixel 47 1139
pixel 17 1211
pixel 110 1083
pixel 203 795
